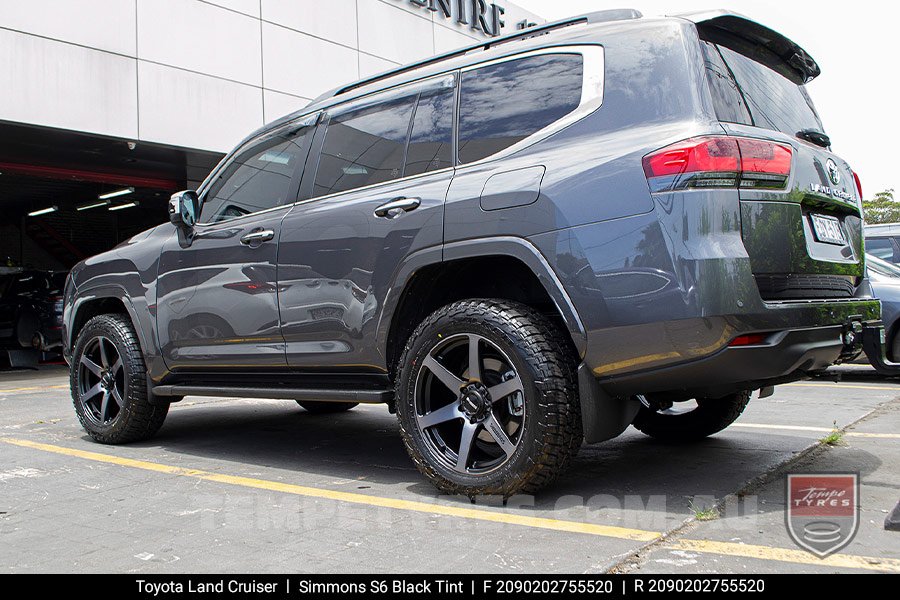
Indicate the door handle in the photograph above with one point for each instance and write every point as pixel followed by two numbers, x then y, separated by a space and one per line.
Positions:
pixel 393 208
pixel 258 237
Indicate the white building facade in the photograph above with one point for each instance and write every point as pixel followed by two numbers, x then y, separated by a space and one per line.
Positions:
pixel 201 74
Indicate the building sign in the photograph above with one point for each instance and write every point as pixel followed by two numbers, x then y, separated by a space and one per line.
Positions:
pixel 480 15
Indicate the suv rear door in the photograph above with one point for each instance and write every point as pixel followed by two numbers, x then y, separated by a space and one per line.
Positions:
pixel 804 242
pixel 379 174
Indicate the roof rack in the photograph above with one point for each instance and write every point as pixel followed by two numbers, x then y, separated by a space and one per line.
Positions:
pixel 524 34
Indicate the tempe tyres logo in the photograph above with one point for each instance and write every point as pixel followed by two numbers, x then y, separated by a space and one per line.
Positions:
pixel 822 510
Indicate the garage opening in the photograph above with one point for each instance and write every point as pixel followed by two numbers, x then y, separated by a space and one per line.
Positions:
pixel 64 197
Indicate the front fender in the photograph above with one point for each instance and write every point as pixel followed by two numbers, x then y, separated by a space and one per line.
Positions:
pixel 74 314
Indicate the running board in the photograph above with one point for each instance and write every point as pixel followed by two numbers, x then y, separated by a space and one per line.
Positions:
pixel 279 393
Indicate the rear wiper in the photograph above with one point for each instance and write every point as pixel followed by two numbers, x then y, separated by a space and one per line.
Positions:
pixel 815 136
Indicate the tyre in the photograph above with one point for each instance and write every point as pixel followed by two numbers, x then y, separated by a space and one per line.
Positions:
pixel 895 347
pixel 326 408
pixel 487 399
pixel 108 380
pixel 692 422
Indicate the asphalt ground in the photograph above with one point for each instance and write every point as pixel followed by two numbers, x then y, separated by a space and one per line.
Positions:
pixel 245 486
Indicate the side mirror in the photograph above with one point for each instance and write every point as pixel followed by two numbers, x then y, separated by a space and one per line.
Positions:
pixel 184 208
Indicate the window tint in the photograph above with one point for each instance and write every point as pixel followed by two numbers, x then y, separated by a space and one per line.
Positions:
pixel 504 103
pixel 431 138
pixel 765 98
pixel 258 178
pixel 364 147
pixel 727 99
pixel 881 248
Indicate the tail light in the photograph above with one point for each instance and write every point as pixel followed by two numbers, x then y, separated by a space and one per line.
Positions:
pixel 719 162
pixel 57 302
pixel 858 185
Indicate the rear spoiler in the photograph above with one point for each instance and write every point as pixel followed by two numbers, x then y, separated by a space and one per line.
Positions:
pixel 757 41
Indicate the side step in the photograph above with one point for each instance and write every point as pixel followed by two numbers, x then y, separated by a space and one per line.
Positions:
pixel 279 393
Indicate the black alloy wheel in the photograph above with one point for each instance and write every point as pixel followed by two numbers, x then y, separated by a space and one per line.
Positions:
pixel 471 412
pixel 101 381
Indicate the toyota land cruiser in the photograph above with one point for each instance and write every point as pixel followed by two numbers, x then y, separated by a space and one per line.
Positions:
pixel 542 239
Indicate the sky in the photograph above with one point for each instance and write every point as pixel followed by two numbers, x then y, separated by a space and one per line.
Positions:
pixel 856 49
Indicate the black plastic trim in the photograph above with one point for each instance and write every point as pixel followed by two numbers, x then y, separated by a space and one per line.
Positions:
pixel 279 393
pixel 789 356
pixel 874 347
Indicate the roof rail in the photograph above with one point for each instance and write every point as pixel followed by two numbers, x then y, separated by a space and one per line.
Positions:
pixel 595 17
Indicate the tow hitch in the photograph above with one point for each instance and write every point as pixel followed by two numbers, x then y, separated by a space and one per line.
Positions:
pixel 852 338
pixel 873 345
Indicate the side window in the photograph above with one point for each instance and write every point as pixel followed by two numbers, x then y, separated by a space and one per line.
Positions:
pixel 431 137
pixel 364 146
pixel 504 103
pixel 259 177
pixel 727 98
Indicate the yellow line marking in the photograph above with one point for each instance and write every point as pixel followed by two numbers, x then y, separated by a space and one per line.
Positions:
pixel 846 386
pixel 704 546
pixel 34 389
pixel 877 436
pixel 842 561
pixel 353 498
pixel 860 434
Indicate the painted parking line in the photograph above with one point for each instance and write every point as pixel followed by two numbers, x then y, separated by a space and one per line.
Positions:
pixel 34 389
pixel 351 497
pixel 859 434
pixel 703 546
pixel 791 555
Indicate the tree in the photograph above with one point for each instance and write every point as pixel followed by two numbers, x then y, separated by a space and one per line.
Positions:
pixel 882 208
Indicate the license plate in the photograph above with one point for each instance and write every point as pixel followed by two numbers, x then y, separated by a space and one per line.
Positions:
pixel 828 230
pixel 327 312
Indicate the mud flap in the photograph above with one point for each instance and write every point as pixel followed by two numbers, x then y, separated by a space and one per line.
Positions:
pixel 603 416
pixel 23 358
pixel 873 346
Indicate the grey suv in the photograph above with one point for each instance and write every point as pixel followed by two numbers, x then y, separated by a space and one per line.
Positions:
pixel 517 246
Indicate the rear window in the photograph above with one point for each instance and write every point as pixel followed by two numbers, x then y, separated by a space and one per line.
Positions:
pixel 29 283
pixel 504 103
pixel 747 92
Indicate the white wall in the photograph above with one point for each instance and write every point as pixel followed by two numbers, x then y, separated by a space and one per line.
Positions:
pixel 201 73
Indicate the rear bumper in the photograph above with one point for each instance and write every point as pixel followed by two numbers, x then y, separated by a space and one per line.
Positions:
pixel 787 356
pixel 802 339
